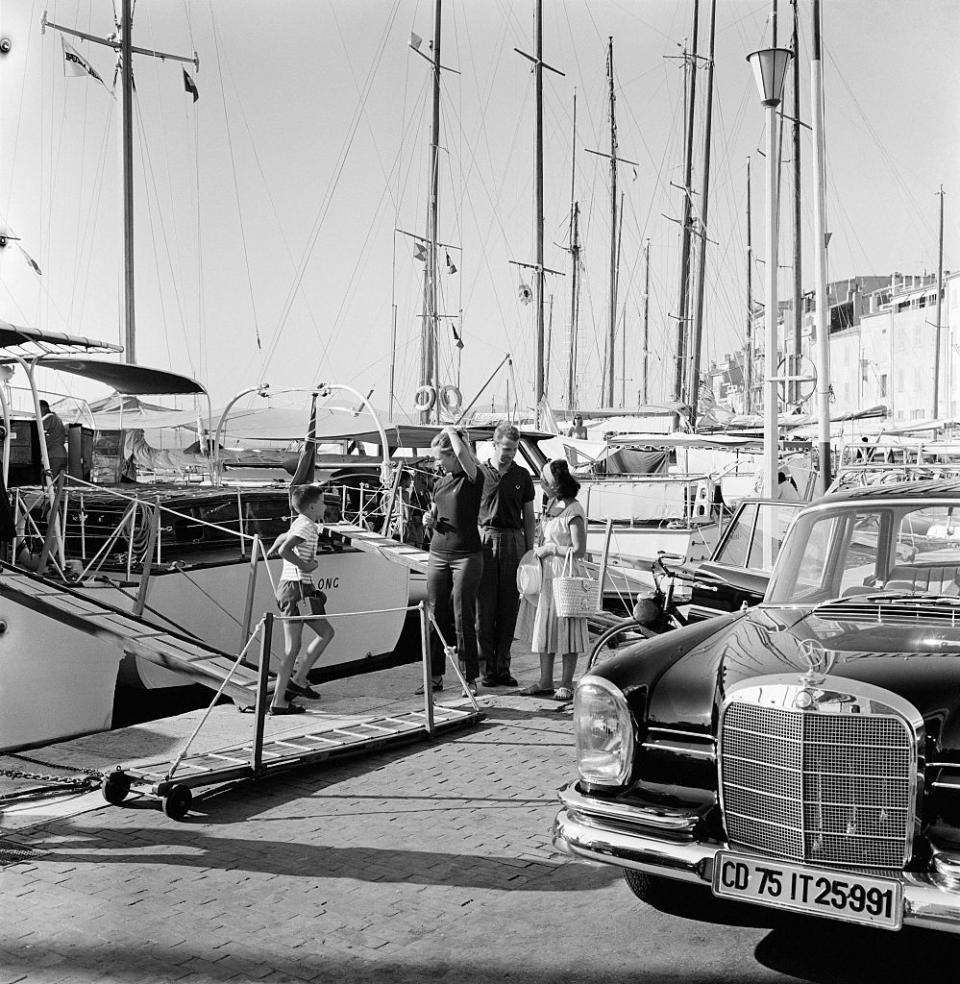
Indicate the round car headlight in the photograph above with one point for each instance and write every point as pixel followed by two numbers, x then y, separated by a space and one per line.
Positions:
pixel 603 728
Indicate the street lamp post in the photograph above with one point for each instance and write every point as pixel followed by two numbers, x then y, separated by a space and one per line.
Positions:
pixel 769 69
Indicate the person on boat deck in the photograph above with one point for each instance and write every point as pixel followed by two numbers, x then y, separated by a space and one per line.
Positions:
pixel 298 596
pixel 786 487
pixel 456 557
pixel 507 532
pixel 55 435
pixel 564 535
pixel 578 430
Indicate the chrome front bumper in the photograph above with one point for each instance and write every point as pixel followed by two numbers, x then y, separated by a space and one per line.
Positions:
pixel 661 843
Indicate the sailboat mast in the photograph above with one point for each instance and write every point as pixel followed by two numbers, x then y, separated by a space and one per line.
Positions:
pixel 126 156
pixel 540 270
pixel 705 197
pixel 429 361
pixel 690 66
pixel 748 361
pixel 646 323
pixel 575 270
pixel 936 360
pixel 538 206
pixel 121 41
pixel 612 326
pixel 797 271
pixel 820 257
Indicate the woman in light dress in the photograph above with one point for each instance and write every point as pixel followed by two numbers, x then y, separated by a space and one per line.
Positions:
pixel 564 532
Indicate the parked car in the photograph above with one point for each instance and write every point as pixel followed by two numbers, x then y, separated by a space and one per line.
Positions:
pixel 803 754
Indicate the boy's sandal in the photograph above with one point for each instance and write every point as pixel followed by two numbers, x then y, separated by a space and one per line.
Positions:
pixel 563 693
pixel 296 690
pixel 289 709
pixel 535 691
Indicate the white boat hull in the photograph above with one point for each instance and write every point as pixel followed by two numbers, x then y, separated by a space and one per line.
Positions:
pixel 208 602
pixel 58 680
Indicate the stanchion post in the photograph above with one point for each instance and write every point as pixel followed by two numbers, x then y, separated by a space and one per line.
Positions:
pixel 427 675
pixel 251 590
pixel 262 678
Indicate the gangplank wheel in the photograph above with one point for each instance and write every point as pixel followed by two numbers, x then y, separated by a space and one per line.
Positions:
pixel 115 787
pixel 177 802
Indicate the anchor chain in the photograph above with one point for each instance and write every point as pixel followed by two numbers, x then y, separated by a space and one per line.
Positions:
pixel 86 778
pixel 89 778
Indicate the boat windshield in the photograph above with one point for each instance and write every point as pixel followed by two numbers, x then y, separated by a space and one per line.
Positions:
pixel 900 550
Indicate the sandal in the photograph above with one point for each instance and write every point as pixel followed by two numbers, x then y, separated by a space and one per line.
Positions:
pixel 436 686
pixel 301 691
pixel 289 709
pixel 563 694
pixel 535 691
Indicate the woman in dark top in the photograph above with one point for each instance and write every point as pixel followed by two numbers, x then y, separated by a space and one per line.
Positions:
pixel 456 557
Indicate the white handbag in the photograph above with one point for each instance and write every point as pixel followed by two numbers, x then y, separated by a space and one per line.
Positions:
pixel 529 575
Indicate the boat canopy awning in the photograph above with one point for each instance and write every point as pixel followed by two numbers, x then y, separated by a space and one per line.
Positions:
pixel 680 439
pixel 123 377
pixel 31 342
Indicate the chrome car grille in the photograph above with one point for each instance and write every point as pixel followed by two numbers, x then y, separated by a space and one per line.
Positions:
pixel 823 788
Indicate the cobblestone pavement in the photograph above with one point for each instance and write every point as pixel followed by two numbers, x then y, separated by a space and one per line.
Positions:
pixel 426 862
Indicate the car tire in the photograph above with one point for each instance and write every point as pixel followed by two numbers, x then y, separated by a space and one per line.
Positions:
pixel 670 895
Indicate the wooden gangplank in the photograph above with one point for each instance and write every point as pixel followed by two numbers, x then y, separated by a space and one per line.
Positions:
pixel 366 540
pixel 320 738
pixel 135 636
pixel 315 738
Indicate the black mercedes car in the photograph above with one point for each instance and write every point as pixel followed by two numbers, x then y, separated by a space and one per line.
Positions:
pixel 802 754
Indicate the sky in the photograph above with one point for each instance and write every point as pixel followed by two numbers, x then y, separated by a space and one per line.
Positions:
pixel 267 211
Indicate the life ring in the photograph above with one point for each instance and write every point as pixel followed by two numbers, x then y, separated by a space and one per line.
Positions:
pixel 425 398
pixel 450 398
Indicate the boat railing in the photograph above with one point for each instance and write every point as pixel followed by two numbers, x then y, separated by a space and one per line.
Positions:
pixel 133 523
pixel 140 532
pixel 884 473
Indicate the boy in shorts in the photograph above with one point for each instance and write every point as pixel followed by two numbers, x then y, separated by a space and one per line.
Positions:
pixel 298 596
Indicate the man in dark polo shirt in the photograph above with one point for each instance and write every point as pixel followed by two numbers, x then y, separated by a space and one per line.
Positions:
pixel 507 532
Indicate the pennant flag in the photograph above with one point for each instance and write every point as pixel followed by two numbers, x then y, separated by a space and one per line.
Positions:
pixel 33 263
pixel 306 464
pixel 190 86
pixel 457 338
pixel 450 267
pixel 415 41
pixel 420 252
pixel 526 294
pixel 75 64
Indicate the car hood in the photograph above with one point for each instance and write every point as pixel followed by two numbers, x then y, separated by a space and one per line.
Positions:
pixel 919 661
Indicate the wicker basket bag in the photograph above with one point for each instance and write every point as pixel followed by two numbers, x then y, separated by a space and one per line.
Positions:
pixel 574 597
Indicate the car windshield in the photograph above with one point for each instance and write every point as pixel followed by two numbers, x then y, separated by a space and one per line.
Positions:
pixel 893 549
pixel 755 534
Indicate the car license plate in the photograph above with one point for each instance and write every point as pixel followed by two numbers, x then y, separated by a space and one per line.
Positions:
pixel 834 894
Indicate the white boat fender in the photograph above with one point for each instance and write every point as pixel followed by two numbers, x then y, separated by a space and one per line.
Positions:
pixel 425 398
pixel 450 398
